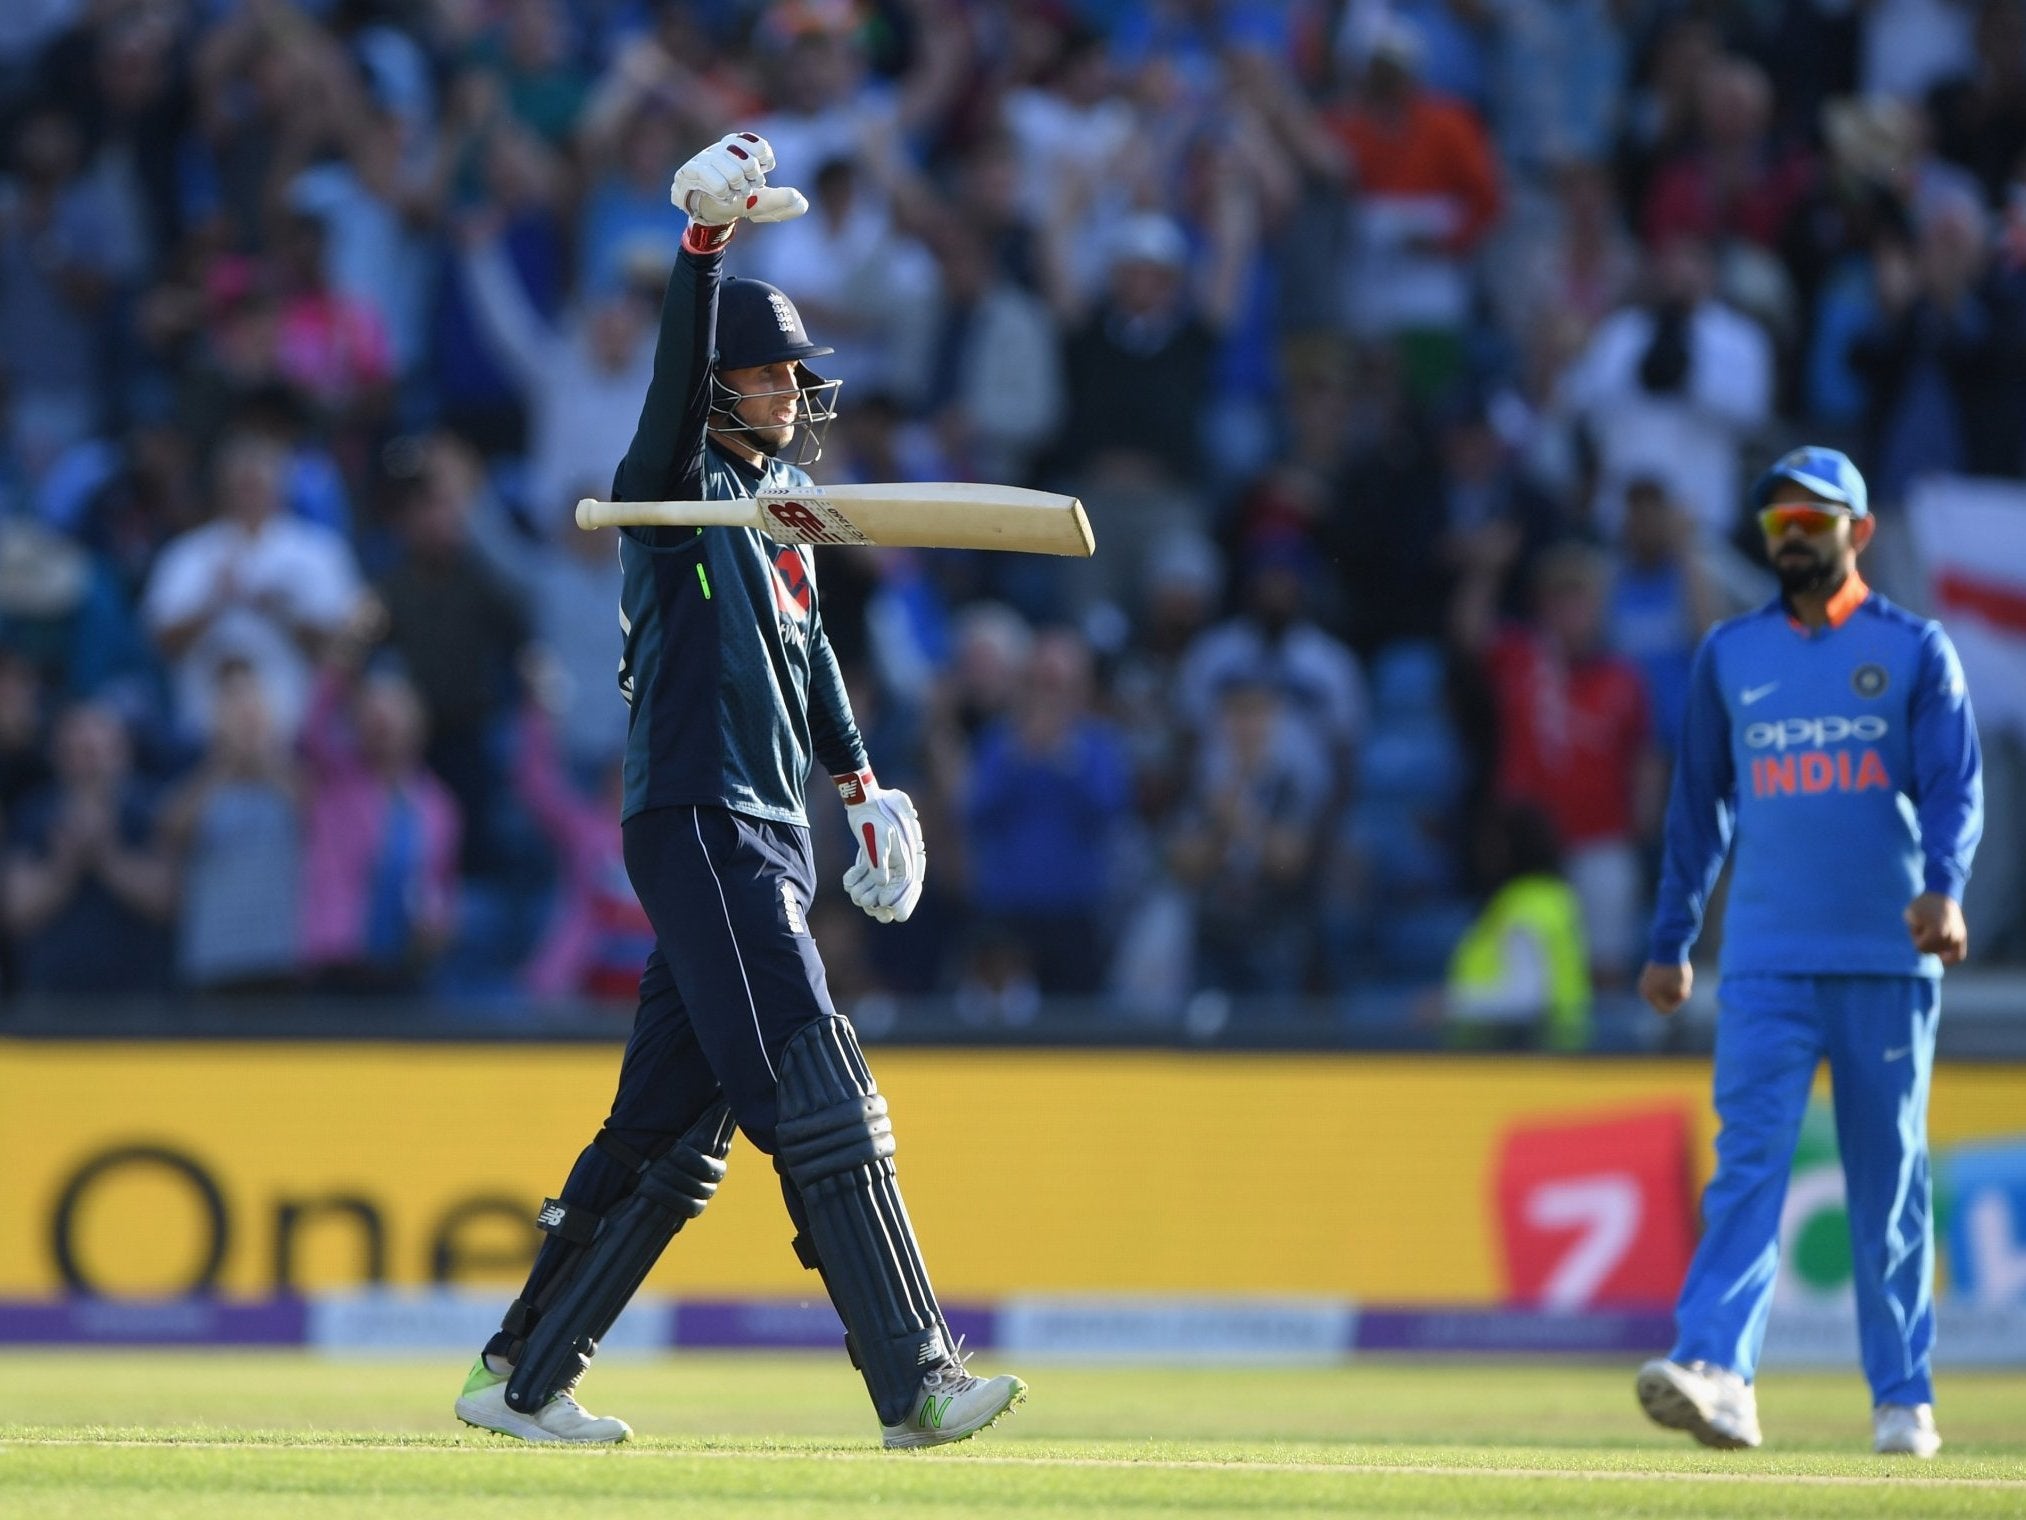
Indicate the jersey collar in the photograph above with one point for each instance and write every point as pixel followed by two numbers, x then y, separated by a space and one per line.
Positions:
pixel 1851 595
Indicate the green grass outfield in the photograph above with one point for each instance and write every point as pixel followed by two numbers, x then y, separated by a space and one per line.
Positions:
pixel 222 1436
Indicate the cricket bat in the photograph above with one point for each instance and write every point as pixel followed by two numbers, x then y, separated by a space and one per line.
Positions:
pixel 918 515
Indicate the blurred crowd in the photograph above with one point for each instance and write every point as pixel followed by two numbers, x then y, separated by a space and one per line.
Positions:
pixel 1411 356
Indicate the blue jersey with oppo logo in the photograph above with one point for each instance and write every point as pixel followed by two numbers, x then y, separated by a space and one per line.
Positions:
pixel 1842 767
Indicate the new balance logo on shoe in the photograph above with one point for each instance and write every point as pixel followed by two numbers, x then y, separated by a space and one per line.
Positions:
pixel 933 1410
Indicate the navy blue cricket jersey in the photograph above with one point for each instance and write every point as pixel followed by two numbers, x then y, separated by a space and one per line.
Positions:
pixel 730 678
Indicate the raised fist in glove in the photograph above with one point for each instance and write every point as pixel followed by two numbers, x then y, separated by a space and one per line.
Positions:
pixel 886 878
pixel 728 181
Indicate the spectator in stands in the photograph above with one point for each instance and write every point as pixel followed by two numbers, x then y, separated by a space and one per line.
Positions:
pixel 65 252
pixel 598 936
pixel 1662 602
pixel 1520 977
pixel 991 376
pixel 1046 795
pixel 1247 840
pixel 380 841
pixel 1138 365
pixel 532 54
pixel 1672 388
pixel 233 833
pixel 459 629
pixel 1737 181
pixel 1944 359
pixel 1276 636
pixel 1574 735
pixel 252 585
pixel 24 737
pixel 88 898
pixel 582 380
pixel 1980 116
pixel 330 347
pixel 1427 193
pixel 858 277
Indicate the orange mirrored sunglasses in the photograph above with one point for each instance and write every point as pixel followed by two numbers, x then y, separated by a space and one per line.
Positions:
pixel 1775 521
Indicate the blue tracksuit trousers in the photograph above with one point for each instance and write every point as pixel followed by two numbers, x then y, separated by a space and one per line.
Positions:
pixel 1878 1035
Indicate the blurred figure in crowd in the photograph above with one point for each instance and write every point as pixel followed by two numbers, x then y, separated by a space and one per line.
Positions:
pixel 1520 977
pixel 1944 360
pixel 1138 366
pixel 1672 388
pixel 460 631
pixel 88 898
pixel 598 935
pixel 65 251
pixel 1276 633
pixel 233 832
pixel 1574 736
pixel 1736 180
pixel 380 854
pixel 582 380
pixel 1426 194
pixel 1046 795
pixel 991 376
pixel 1247 839
pixel 252 586
pixel 1662 602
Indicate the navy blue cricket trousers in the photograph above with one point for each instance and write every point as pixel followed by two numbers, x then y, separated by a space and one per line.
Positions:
pixel 733 977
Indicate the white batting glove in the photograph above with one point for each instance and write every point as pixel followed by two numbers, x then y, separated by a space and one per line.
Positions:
pixel 886 878
pixel 728 181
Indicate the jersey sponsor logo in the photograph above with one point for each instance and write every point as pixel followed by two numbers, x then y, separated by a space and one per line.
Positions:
pixel 1868 680
pixel 1816 733
pixel 1810 772
pixel 1752 694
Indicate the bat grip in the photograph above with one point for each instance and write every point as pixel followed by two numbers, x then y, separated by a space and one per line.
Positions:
pixel 592 514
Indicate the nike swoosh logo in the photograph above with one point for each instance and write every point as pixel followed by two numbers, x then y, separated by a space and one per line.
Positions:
pixel 1752 694
pixel 1898 1051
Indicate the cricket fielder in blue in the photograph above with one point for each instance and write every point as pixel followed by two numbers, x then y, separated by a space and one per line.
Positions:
pixel 733 692
pixel 1829 748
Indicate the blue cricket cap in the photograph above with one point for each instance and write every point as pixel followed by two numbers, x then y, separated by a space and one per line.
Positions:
pixel 758 324
pixel 1827 472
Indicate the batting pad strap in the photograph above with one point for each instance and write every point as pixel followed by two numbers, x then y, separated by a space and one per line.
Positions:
pixel 519 1318
pixel 620 1151
pixel 567 1222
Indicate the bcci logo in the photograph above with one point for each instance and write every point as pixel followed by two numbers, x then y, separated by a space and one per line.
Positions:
pixel 784 314
pixel 1868 680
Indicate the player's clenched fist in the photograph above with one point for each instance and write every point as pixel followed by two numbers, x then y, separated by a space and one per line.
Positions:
pixel 886 878
pixel 1666 987
pixel 728 181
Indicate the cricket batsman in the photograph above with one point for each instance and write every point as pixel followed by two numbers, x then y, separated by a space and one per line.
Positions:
pixel 1829 736
pixel 732 689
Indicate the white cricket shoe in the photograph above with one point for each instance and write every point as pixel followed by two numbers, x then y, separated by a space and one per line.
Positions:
pixel 1713 1404
pixel 951 1404
pixel 483 1403
pixel 1906 1430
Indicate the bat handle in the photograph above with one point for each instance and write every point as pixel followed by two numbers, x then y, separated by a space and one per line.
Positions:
pixel 593 514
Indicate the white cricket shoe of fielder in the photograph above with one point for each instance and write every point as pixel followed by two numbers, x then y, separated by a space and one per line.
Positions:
pixel 951 1404
pixel 483 1403
pixel 1713 1404
pixel 1906 1430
